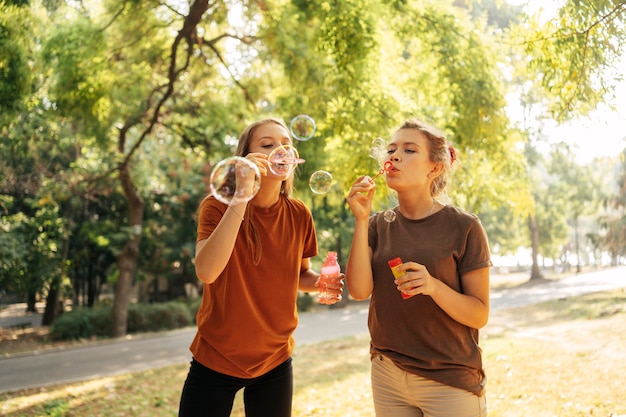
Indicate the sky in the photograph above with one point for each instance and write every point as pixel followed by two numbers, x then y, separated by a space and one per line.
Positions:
pixel 603 132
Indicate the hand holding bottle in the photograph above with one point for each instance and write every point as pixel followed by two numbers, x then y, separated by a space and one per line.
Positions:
pixel 331 280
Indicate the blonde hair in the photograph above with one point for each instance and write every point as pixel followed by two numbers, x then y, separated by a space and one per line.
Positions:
pixel 440 151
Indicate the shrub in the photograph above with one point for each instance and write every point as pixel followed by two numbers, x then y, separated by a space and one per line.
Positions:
pixel 156 317
pixel 82 323
pixel 85 323
pixel 305 301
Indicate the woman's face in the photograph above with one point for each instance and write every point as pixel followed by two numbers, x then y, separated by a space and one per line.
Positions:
pixel 409 153
pixel 267 138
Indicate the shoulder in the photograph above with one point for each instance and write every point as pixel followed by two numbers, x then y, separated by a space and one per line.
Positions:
pixel 295 205
pixel 211 204
pixel 459 216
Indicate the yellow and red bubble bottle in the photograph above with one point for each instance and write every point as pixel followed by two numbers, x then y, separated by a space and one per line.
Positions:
pixel 394 264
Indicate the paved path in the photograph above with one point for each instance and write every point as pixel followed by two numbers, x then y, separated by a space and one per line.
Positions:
pixel 134 354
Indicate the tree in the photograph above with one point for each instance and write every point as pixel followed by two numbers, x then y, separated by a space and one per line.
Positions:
pixel 614 223
pixel 579 188
pixel 573 55
pixel 150 97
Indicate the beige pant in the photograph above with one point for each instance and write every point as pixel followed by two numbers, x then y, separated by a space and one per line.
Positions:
pixel 398 393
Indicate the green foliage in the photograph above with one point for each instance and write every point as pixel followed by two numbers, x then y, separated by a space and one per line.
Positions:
pixel 13 71
pixel 161 92
pixel 571 57
pixel 75 52
pixel 158 316
pixel 56 408
pixel 613 224
pixel 305 301
pixel 86 323
pixel 82 323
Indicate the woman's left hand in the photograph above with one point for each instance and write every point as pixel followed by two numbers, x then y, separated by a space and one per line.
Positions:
pixel 335 287
pixel 416 280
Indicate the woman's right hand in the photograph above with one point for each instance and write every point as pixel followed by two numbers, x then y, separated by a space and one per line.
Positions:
pixel 245 178
pixel 360 197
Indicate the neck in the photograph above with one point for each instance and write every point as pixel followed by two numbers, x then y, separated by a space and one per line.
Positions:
pixel 418 209
pixel 268 195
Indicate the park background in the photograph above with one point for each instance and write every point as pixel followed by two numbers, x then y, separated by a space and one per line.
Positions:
pixel 114 113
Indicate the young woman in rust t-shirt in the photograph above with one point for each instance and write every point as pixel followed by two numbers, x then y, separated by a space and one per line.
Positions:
pixel 423 321
pixel 252 258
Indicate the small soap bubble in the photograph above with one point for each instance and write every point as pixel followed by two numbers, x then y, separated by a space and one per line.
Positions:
pixel 320 182
pixel 303 127
pixel 283 160
pixel 389 215
pixel 226 174
pixel 378 150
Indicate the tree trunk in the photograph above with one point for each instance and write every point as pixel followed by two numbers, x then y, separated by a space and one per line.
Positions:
pixel 534 238
pixel 52 310
pixel 31 302
pixel 577 248
pixel 127 259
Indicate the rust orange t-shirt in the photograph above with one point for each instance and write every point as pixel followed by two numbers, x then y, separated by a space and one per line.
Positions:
pixel 248 315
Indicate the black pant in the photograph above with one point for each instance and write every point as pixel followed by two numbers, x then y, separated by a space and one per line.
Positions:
pixel 207 393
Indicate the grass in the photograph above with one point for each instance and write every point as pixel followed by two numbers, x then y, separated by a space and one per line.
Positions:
pixel 559 358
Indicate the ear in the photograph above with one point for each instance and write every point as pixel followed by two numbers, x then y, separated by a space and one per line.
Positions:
pixel 436 171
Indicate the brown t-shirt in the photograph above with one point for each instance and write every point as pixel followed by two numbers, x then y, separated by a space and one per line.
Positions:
pixel 248 315
pixel 415 333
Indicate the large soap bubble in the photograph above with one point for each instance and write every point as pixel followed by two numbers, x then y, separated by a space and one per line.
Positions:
pixel 283 160
pixel 233 173
pixel 378 150
pixel 302 127
pixel 320 182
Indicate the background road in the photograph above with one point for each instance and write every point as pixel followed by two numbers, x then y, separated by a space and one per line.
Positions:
pixel 137 353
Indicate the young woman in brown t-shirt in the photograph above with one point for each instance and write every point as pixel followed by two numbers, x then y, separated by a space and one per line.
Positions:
pixel 424 321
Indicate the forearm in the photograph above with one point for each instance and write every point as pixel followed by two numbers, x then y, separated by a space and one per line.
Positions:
pixel 359 269
pixel 471 310
pixel 213 253
pixel 308 280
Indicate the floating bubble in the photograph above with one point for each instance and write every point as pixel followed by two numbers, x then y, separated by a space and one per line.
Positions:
pixel 389 215
pixel 235 180
pixel 378 150
pixel 320 182
pixel 283 160
pixel 303 127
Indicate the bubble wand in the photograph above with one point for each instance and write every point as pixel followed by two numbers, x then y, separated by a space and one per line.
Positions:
pixel 386 168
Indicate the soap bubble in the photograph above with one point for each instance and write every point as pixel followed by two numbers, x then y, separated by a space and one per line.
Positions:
pixel 378 150
pixel 389 215
pixel 223 180
pixel 283 160
pixel 302 127
pixel 320 182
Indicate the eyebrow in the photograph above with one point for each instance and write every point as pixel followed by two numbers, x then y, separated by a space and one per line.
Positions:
pixel 405 143
pixel 273 138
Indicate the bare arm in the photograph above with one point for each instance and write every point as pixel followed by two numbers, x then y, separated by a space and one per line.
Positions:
pixel 213 253
pixel 309 279
pixel 359 268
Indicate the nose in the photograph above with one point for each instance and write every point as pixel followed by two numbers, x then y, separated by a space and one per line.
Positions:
pixel 394 156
